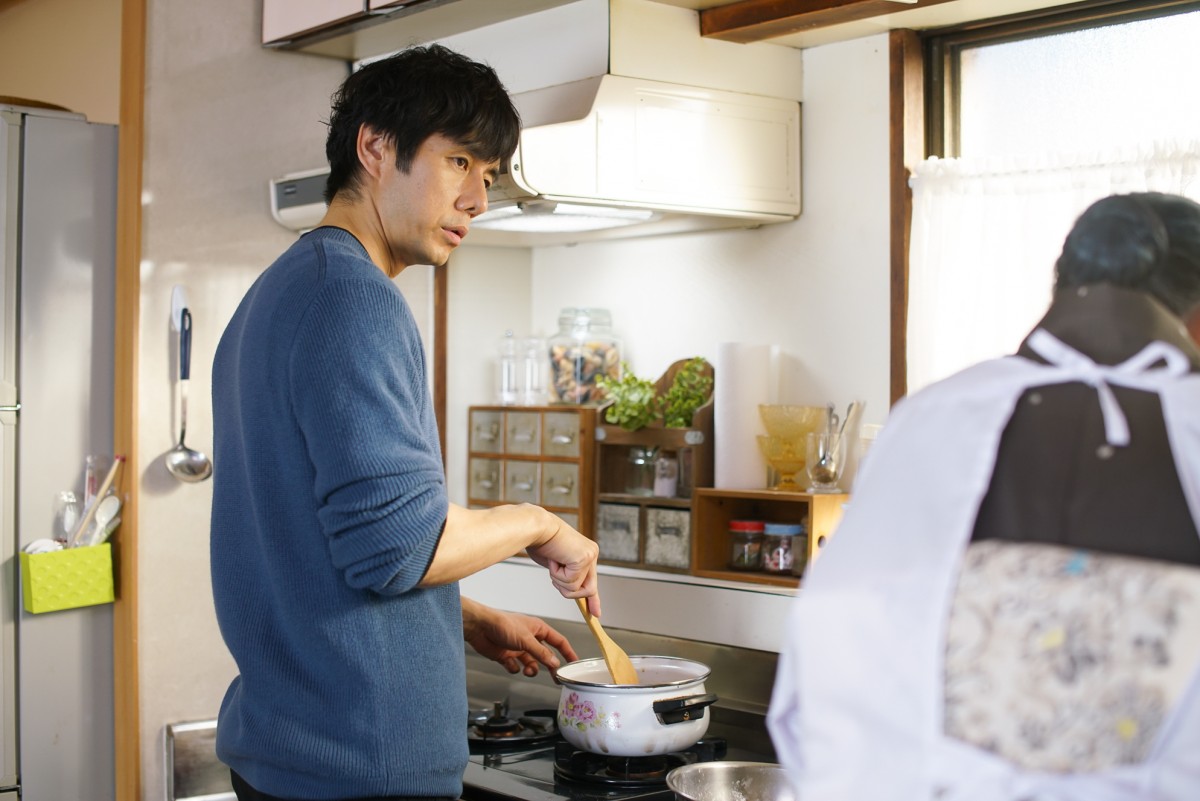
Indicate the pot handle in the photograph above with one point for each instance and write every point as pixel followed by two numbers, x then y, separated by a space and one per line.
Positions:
pixel 681 710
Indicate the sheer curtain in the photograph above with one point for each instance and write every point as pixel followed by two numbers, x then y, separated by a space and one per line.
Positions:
pixel 986 234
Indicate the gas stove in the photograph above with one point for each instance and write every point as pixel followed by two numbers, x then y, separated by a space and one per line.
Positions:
pixel 518 753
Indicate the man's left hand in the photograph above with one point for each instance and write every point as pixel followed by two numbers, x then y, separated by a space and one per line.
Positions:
pixel 518 642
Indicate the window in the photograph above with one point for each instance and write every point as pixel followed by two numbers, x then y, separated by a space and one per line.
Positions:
pixel 1036 118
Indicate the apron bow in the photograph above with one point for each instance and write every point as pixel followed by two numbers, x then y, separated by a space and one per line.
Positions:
pixel 1136 372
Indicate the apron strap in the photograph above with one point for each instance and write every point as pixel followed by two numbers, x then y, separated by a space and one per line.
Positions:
pixel 1137 372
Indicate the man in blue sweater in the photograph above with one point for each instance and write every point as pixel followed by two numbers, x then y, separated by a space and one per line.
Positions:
pixel 335 551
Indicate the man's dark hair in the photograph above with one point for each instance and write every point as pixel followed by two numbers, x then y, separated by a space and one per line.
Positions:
pixel 411 96
pixel 1147 241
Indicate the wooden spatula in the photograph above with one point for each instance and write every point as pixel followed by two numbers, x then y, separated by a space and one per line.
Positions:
pixel 619 666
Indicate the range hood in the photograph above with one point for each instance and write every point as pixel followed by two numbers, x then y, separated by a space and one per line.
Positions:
pixel 617 155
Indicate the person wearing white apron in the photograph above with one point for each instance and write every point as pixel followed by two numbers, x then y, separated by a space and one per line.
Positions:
pixel 857 711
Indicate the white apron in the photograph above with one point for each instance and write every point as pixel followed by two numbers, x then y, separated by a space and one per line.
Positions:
pixel 856 713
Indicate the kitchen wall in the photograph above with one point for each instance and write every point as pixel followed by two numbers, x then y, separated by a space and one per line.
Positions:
pixel 818 288
pixel 222 116
pixel 63 52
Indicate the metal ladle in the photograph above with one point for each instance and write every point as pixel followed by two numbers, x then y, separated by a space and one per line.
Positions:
pixel 183 462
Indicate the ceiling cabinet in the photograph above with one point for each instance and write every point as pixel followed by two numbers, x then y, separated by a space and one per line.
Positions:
pixel 285 20
pixel 357 29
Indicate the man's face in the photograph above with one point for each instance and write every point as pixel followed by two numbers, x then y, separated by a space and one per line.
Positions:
pixel 427 211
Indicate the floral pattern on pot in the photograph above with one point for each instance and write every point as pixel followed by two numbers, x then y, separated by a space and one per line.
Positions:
pixel 584 715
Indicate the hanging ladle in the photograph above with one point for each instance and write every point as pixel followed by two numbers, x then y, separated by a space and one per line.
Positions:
pixel 183 462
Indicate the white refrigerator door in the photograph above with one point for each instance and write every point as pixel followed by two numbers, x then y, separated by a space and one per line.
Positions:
pixel 65 380
pixel 9 187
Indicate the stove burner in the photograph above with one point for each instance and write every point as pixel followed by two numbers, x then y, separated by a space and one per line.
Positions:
pixel 574 765
pixel 498 725
pixel 637 768
pixel 499 731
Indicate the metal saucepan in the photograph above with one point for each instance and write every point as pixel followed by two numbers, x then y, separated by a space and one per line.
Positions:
pixel 664 712
pixel 731 781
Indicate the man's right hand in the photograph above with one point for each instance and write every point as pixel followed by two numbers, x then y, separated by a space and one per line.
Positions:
pixel 570 558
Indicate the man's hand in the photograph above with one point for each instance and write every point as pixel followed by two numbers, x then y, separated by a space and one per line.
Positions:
pixel 571 559
pixel 518 642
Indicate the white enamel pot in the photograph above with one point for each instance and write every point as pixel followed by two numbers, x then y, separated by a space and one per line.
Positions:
pixel 665 712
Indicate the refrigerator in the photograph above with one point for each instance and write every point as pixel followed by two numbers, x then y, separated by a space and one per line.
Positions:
pixel 58 176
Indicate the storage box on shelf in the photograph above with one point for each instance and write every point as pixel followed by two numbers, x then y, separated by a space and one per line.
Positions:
pixel 534 454
pixel 645 530
pixel 712 509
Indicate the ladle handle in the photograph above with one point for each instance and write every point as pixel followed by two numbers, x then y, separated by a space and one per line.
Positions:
pixel 185 345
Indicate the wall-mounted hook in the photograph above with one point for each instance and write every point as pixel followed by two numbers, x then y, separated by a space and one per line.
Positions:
pixel 179 302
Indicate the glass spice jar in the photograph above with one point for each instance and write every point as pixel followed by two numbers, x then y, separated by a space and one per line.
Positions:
pixel 746 538
pixel 583 350
pixel 777 553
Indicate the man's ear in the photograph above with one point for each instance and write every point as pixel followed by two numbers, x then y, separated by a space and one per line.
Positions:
pixel 374 151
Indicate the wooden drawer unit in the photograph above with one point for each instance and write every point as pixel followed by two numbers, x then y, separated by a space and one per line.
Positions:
pixel 534 454
pixel 484 478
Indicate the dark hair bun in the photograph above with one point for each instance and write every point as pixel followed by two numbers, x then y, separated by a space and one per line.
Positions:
pixel 1119 240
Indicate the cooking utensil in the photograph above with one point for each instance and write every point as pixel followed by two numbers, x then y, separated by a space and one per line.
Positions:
pixel 183 462
pixel 619 666
pixel 663 714
pixel 85 521
pixel 106 510
pixel 731 781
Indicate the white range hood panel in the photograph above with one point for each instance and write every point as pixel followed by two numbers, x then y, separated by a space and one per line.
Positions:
pixel 669 147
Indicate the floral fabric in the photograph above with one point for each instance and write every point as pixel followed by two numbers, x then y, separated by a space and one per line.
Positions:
pixel 1063 660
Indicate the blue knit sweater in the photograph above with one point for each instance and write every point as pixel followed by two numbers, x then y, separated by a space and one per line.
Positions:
pixel 329 499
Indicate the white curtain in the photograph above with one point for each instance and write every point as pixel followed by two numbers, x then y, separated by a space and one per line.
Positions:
pixel 986 234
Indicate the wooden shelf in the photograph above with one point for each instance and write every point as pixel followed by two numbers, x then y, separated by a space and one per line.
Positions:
pixel 644 500
pixel 653 532
pixel 749 577
pixel 712 509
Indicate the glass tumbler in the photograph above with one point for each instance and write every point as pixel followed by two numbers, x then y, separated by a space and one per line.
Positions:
pixel 825 461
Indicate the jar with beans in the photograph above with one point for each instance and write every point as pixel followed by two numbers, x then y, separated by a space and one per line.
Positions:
pixel 583 350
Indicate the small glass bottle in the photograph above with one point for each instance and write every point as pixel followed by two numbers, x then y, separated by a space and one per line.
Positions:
pixel 666 476
pixel 640 480
pixel 778 554
pixel 533 371
pixel 583 350
pixel 508 370
pixel 746 538
pixel 66 515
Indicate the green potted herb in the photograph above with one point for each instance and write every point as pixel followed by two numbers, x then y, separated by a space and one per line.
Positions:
pixel 633 400
pixel 689 391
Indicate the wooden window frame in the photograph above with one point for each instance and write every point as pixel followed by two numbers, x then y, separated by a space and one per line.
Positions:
pixel 923 87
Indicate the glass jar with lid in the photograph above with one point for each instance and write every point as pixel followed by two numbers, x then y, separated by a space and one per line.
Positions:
pixel 746 538
pixel 778 548
pixel 583 350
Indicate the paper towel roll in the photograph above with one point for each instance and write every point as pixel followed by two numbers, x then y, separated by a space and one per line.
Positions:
pixel 742 381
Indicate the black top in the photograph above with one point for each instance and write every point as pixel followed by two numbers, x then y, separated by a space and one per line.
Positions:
pixel 1056 480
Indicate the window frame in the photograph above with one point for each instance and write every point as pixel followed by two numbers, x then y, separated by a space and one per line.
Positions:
pixel 923 91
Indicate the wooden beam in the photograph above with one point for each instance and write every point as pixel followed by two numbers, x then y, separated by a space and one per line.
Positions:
pixel 127 739
pixel 756 20
pixel 906 145
pixel 441 337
